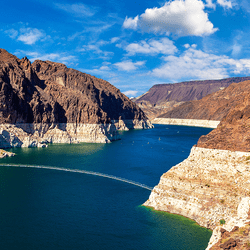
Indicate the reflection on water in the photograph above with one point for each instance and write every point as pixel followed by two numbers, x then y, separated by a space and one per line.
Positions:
pixel 45 209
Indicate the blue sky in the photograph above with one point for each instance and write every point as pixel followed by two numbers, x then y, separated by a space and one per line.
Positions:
pixel 133 44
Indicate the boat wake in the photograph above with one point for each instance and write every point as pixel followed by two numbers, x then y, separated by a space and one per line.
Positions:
pixel 82 172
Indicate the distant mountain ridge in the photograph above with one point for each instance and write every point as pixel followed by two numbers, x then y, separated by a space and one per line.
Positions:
pixel 186 91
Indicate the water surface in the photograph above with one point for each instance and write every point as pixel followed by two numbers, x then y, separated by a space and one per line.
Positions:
pixel 50 209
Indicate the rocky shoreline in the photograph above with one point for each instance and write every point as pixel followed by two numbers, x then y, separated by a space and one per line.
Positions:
pixel 187 122
pixel 4 154
pixel 211 187
pixel 39 135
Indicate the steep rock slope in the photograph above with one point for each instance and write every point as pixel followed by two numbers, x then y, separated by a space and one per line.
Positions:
pixel 162 98
pixel 214 106
pixel 46 101
pixel 186 91
pixel 212 185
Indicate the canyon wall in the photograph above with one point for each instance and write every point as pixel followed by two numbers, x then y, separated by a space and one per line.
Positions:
pixel 47 102
pixel 212 186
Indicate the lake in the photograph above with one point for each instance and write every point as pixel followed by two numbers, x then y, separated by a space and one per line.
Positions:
pixel 46 208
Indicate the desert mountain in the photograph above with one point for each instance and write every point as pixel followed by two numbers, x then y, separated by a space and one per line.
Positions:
pixel 43 96
pixel 233 132
pixel 162 98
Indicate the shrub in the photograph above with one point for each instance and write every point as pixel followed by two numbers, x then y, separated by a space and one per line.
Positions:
pixel 222 222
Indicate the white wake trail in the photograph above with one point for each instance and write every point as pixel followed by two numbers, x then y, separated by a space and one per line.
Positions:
pixel 82 172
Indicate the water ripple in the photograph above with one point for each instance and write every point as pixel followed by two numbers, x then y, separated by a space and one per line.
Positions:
pixel 82 172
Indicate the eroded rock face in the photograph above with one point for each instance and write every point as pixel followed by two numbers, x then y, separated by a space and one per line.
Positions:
pixel 208 186
pixel 233 132
pixel 214 106
pixel 45 99
pixel 162 98
pixel 211 187
pixel 187 91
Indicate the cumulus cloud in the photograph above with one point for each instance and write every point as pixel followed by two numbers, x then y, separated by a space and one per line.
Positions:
pixel 152 47
pixel 196 64
pixel 128 65
pixel 26 35
pixel 30 36
pixel 225 3
pixel 178 17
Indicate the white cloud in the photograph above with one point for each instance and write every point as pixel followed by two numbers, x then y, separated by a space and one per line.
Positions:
pixel 30 36
pixel 12 33
pixel 96 48
pixel 104 67
pixel 131 23
pixel 79 9
pixel 245 5
pixel 225 3
pixel 26 35
pixel 178 17
pixel 152 47
pixel 129 65
pixel 114 39
pixel 56 57
pixel 236 49
pixel 210 4
pixel 130 93
pixel 196 64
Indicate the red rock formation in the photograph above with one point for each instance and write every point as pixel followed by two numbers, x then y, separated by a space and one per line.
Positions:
pixel 50 92
pixel 162 98
pixel 43 96
pixel 233 132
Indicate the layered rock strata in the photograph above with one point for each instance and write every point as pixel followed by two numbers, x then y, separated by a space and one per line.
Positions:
pixel 211 187
pixel 214 106
pixel 162 98
pixel 48 102
pixel 187 122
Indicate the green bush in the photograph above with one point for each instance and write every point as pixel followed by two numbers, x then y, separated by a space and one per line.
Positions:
pixel 222 222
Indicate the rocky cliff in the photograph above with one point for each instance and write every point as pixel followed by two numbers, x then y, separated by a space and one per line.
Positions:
pixel 48 102
pixel 212 185
pixel 162 98
pixel 214 106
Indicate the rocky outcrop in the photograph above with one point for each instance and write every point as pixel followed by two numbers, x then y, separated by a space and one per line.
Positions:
pixel 162 98
pixel 154 110
pixel 4 154
pixel 233 131
pixel 48 102
pixel 211 187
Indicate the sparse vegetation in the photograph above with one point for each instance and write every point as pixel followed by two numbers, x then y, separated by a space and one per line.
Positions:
pixel 222 222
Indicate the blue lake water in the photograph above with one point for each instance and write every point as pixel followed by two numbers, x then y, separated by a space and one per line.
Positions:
pixel 51 209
